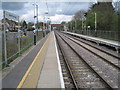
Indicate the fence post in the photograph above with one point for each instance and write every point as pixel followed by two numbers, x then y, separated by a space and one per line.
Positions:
pixel 18 38
pixel 5 49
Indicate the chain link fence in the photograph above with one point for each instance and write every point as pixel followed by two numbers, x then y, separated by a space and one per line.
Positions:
pixel 111 35
pixel 12 44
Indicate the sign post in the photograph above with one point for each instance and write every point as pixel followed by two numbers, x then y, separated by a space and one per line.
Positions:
pixel 18 37
pixel 11 16
pixel 5 50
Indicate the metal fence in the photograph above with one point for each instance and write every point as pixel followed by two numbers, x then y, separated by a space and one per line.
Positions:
pixel 12 44
pixel 111 35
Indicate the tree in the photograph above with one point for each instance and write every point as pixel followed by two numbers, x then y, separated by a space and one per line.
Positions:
pixel 106 16
pixel 79 15
pixel 24 24
pixel 63 22
pixel 30 26
pixel 78 18
pixel 39 24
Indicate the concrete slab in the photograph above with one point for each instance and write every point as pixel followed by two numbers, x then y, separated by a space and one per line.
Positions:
pixel 16 74
pixel 50 75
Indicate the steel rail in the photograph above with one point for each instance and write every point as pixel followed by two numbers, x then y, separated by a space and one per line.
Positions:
pixel 95 54
pixel 110 87
pixel 95 47
pixel 67 64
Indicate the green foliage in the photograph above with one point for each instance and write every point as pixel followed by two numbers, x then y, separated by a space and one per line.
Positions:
pixel 63 22
pixel 107 19
pixel 39 24
pixel 106 16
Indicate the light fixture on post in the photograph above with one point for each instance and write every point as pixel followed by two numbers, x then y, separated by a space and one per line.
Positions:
pixel 44 19
pixel 35 14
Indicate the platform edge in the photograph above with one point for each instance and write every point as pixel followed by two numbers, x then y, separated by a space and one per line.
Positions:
pixel 59 66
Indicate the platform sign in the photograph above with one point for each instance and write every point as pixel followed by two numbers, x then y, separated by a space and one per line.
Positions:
pixel 11 16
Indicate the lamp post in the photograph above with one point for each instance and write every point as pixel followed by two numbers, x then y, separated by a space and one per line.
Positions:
pixel 71 25
pixel 82 25
pixel 75 25
pixel 35 13
pixel 44 19
pixel 95 15
pixel 44 24
pixel 95 22
pixel 48 23
pixel 35 16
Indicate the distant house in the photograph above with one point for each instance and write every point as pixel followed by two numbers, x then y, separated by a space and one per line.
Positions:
pixel 10 24
pixel 57 26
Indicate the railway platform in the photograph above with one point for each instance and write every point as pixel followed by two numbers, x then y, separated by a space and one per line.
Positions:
pixel 65 61
pixel 40 68
pixel 97 40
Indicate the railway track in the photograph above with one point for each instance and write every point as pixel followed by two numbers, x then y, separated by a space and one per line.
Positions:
pixel 85 74
pixel 96 46
pixel 65 70
pixel 104 55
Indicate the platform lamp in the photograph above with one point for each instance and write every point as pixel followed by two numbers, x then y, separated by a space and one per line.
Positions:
pixel 49 21
pixel 35 16
pixel 35 13
pixel 95 23
pixel 44 23
pixel 44 18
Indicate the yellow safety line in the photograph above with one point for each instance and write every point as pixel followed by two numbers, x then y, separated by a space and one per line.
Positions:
pixel 26 74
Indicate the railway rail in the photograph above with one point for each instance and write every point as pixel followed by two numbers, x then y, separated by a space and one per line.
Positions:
pixel 107 50
pixel 68 80
pixel 87 69
pixel 104 55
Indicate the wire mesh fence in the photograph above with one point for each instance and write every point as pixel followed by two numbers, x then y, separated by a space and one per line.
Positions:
pixel 12 44
pixel 111 35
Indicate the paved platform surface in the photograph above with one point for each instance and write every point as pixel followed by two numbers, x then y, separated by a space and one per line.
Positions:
pixel 51 76
pixel 99 40
pixel 40 68
pixel 12 79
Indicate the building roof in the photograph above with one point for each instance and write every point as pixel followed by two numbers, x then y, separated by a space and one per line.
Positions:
pixel 56 25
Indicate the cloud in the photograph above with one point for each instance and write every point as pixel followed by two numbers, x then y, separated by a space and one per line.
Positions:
pixel 13 5
pixel 58 11
pixel 59 18
pixel 29 16
pixel 69 8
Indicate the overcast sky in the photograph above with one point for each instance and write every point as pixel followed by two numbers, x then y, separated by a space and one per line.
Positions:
pixel 58 11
